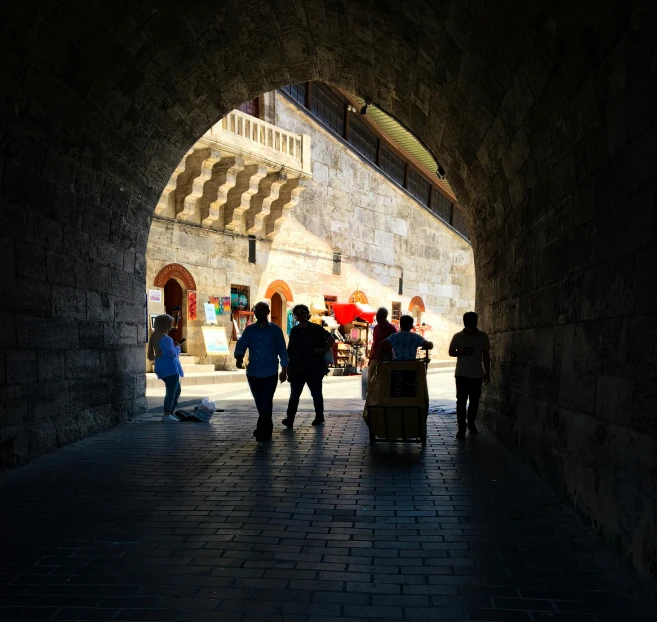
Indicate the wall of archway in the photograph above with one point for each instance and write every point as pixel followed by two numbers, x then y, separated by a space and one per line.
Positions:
pixel 544 121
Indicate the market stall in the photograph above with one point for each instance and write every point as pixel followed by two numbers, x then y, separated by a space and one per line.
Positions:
pixel 353 341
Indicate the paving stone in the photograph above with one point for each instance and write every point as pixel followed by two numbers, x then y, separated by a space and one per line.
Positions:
pixel 113 547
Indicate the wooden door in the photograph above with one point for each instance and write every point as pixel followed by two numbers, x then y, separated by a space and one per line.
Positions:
pixel 277 310
pixel 173 297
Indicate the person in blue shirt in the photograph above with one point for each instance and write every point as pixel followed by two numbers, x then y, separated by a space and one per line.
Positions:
pixel 266 345
pixel 163 350
pixel 404 344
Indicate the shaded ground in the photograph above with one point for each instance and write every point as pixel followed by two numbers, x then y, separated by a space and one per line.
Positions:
pixel 152 521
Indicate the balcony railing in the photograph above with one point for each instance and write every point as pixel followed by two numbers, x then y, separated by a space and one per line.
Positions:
pixel 263 140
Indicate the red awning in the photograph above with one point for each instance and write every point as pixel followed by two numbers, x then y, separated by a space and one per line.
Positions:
pixel 345 313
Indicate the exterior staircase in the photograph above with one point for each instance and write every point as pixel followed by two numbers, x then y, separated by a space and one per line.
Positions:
pixel 243 176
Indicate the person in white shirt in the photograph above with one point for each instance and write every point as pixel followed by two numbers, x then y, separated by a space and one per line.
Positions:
pixel 470 347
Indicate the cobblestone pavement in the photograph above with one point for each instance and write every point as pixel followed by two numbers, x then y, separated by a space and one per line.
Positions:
pixel 197 522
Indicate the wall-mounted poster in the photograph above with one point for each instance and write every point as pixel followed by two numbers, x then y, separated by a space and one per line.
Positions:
pixel 191 305
pixel 154 295
pixel 225 305
pixel 210 314
pixel 153 321
pixel 215 340
pixel 216 301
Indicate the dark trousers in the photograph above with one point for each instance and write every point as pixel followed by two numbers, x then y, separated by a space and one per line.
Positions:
pixel 467 388
pixel 172 384
pixel 296 387
pixel 263 390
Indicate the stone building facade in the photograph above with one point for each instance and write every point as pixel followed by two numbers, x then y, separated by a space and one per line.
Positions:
pixel 344 206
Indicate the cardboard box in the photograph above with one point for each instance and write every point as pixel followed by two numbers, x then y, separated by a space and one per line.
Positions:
pixel 397 402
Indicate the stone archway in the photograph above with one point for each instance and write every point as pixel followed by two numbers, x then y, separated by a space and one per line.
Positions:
pixel 416 308
pixel 280 287
pixel 535 117
pixel 279 294
pixel 416 301
pixel 175 271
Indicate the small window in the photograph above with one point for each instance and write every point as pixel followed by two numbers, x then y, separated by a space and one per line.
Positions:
pixel 251 107
pixel 361 139
pixel 327 107
pixel 328 301
pixel 240 297
pixel 297 92
pixel 337 263
pixel 396 310
pixel 252 249
pixel 458 222
pixel 441 206
pixel 392 165
pixel 418 186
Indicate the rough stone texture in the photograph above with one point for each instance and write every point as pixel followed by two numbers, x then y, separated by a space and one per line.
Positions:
pixel 544 120
pixel 347 207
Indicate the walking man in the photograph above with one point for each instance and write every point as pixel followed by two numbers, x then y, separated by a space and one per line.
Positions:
pixel 382 331
pixel 470 347
pixel 306 349
pixel 266 346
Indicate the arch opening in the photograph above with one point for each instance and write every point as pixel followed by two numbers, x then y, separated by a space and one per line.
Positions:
pixel 532 117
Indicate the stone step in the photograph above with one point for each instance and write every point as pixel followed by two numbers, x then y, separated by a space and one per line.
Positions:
pixel 195 368
pixel 192 378
pixel 188 359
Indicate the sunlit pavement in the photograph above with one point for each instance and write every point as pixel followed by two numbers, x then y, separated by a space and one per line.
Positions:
pixel 190 521
pixel 340 393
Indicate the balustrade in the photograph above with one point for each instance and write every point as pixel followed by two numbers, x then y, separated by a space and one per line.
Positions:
pixel 294 147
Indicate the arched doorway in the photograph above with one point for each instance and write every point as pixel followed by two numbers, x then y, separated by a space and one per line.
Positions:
pixel 279 294
pixel 277 309
pixel 173 303
pixel 176 281
pixel 416 308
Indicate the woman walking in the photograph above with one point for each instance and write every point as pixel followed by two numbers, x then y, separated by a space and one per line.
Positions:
pixel 163 350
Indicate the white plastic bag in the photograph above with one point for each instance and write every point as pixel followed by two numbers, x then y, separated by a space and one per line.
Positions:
pixel 208 406
pixel 363 381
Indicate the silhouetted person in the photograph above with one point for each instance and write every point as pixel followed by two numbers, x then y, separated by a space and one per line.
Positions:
pixel 404 344
pixel 470 346
pixel 382 331
pixel 306 349
pixel 266 346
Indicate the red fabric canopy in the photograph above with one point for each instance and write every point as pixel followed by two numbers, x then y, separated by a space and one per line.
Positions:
pixel 346 313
